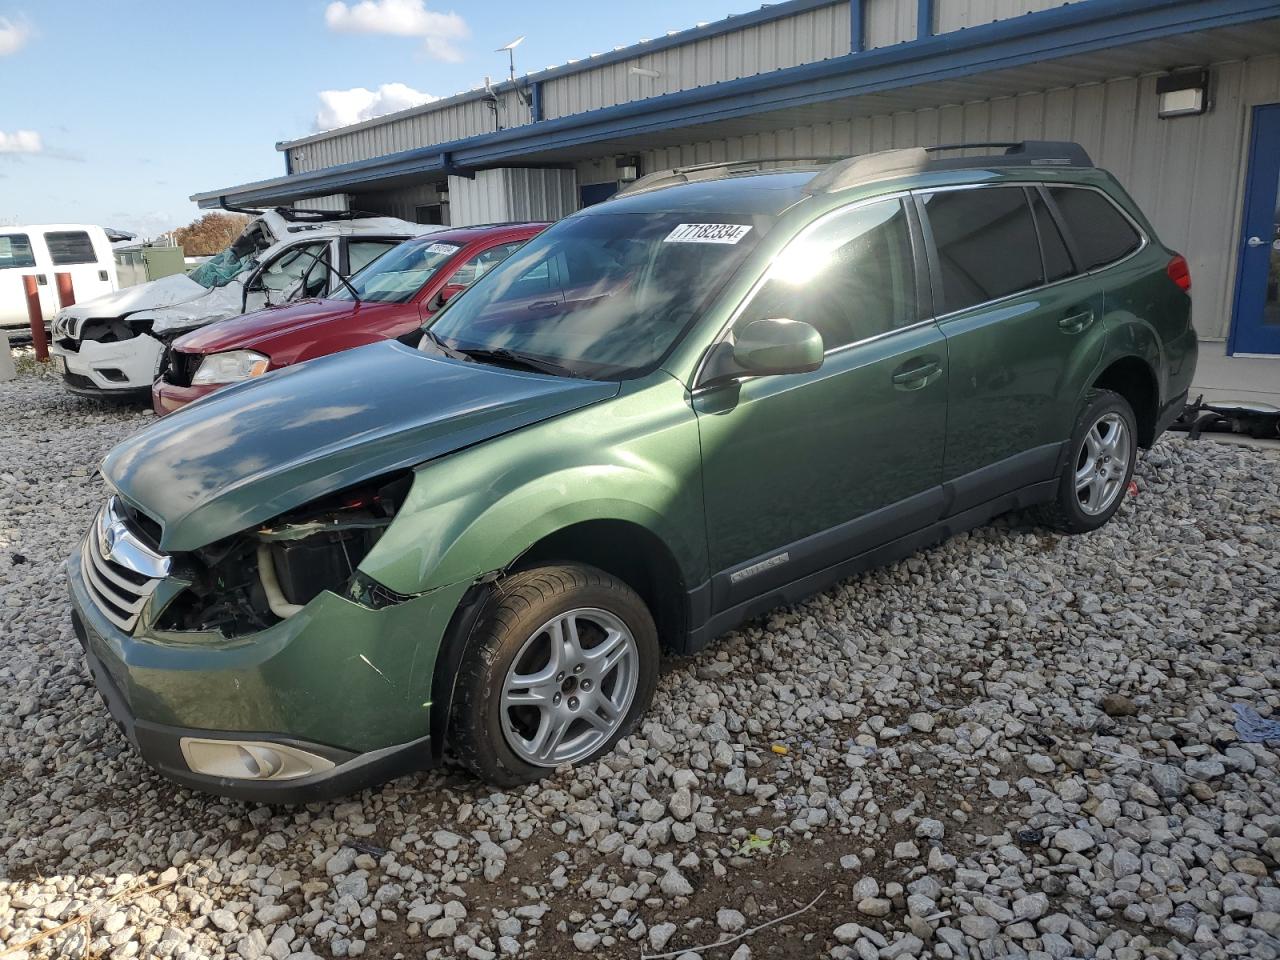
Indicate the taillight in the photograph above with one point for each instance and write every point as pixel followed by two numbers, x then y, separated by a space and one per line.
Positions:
pixel 1179 272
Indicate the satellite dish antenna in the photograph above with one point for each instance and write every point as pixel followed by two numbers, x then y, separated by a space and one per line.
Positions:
pixel 510 48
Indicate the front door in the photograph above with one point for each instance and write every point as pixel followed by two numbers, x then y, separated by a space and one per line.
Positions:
pixel 22 254
pixel 805 470
pixel 1256 324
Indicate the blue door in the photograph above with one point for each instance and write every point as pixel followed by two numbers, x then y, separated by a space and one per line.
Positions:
pixel 1255 327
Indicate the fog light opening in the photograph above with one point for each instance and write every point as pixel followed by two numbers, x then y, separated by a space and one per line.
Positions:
pixel 250 759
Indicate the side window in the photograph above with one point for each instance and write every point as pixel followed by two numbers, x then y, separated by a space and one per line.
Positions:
pixel 15 251
pixel 986 244
pixel 1100 231
pixel 1057 261
pixel 67 247
pixel 484 261
pixel 285 270
pixel 851 277
pixel 361 253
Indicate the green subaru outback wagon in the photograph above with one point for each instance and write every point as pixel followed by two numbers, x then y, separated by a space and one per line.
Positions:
pixel 720 391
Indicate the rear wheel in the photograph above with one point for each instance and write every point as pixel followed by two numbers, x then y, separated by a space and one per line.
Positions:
pixel 1104 449
pixel 563 661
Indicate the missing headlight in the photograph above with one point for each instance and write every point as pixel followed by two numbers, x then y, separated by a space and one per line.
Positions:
pixel 252 580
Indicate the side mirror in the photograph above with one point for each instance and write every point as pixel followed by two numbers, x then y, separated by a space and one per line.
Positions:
pixel 446 293
pixel 764 348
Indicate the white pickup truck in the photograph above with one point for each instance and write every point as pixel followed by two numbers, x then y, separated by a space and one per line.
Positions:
pixel 114 345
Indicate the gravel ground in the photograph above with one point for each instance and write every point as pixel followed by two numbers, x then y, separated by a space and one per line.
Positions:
pixel 1016 744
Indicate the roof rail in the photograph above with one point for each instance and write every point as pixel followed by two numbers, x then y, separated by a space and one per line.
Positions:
pixel 900 163
pixel 710 171
pixel 1018 153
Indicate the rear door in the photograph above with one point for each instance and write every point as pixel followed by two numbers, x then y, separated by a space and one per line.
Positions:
pixel 1021 335
pixel 89 263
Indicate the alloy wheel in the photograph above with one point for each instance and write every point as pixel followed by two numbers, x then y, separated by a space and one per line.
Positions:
pixel 1102 464
pixel 570 687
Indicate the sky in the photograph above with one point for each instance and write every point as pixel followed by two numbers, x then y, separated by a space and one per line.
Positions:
pixel 116 112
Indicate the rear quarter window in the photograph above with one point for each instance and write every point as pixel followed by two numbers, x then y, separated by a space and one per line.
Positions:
pixel 68 247
pixel 15 251
pixel 1101 232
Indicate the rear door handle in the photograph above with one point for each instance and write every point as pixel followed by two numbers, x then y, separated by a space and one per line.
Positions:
pixel 915 377
pixel 543 304
pixel 1076 322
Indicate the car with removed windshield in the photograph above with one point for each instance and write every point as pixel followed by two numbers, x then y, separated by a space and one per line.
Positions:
pixel 113 345
pixel 718 392
pixel 390 298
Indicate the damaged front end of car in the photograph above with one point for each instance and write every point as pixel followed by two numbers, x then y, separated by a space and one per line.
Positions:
pixel 251 581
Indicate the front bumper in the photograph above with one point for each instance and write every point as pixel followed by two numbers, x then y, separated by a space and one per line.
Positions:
pixel 167 397
pixel 338 680
pixel 123 367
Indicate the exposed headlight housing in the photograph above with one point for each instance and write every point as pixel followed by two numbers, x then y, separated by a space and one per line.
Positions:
pixel 230 367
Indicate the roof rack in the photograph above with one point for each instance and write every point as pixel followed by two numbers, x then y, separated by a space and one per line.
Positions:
pixel 900 163
pixel 711 171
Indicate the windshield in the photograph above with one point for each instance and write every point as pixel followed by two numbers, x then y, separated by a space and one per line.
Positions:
pixel 600 295
pixel 220 270
pixel 398 275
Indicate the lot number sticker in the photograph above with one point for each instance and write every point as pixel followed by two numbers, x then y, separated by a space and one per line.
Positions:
pixel 442 248
pixel 708 233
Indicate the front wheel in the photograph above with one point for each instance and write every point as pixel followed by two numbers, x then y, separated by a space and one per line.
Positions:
pixel 563 661
pixel 1104 449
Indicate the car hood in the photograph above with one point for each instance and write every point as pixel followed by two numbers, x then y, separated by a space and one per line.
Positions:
pixel 164 292
pixel 262 329
pixel 254 450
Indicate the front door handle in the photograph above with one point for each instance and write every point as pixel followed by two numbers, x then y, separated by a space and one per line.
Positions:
pixel 917 376
pixel 1076 322
pixel 1254 241
pixel 544 304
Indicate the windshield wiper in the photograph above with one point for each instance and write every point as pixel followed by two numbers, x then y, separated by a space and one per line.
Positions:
pixel 511 358
pixel 443 347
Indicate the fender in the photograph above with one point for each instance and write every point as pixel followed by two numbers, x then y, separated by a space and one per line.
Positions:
pixel 635 458
pixel 1129 335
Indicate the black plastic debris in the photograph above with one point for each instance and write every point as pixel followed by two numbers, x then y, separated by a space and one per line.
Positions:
pixel 1261 420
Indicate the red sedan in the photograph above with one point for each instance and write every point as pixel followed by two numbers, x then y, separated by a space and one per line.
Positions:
pixel 389 298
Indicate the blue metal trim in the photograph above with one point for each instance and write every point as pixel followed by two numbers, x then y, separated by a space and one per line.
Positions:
pixel 535 103
pixel 924 19
pixel 1063 31
pixel 857 26
pixel 736 21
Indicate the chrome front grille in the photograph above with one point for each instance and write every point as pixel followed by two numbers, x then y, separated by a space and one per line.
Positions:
pixel 121 572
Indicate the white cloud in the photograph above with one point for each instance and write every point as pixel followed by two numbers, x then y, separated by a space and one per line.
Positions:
pixel 13 36
pixel 339 108
pixel 20 141
pixel 401 18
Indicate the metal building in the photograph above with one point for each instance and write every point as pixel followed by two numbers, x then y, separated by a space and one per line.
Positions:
pixel 1180 99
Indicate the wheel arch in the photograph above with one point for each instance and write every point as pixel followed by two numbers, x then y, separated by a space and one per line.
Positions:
pixel 1134 379
pixel 622 548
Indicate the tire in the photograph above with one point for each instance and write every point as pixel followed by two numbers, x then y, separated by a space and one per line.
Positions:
pixel 495 730
pixel 1095 475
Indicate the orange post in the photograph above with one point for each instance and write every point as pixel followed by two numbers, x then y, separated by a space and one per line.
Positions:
pixel 36 317
pixel 66 290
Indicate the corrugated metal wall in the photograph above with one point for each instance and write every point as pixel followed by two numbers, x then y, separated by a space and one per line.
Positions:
pixel 817 34
pixel 401 202
pixel 1187 174
pixel 453 122
pixel 332 201
pixel 887 22
pixel 497 196
pixel 956 14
